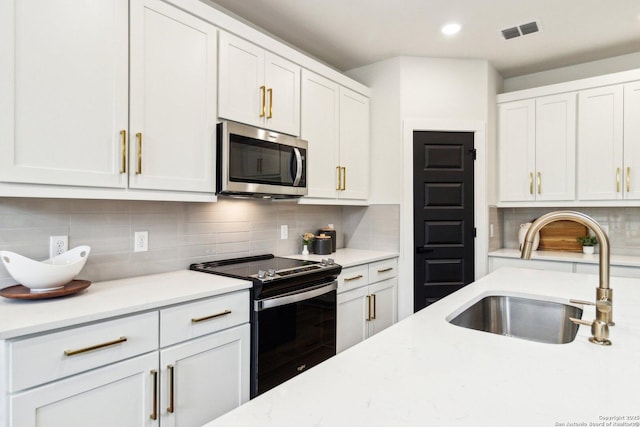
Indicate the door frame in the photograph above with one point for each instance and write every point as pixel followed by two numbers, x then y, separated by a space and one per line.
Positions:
pixel 480 190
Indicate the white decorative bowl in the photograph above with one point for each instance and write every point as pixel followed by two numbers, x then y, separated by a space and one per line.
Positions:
pixel 43 276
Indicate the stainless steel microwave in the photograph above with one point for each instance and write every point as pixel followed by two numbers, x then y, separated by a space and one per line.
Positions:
pixel 254 162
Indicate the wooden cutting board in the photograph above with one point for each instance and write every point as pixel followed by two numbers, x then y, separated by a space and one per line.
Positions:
pixel 562 236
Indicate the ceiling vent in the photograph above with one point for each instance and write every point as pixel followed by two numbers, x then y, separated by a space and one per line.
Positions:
pixel 520 30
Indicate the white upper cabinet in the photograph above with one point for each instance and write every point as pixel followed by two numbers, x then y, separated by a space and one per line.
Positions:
pixel 73 120
pixel 632 140
pixel 537 144
pixel 64 91
pixel 516 134
pixel 320 127
pixel 354 145
pixel 335 122
pixel 173 99
pixel 257 87
pixel 600 150
pixel 556 147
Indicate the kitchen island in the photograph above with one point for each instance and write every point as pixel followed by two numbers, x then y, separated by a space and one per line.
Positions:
pixel 424 371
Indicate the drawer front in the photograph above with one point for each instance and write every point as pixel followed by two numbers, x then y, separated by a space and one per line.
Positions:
pixel 383 270
pixel 353 277
pixel 199 318
pixel 57 355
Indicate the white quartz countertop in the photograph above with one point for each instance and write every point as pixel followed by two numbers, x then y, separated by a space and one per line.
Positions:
pixel 111 298
pixel 348 257
pixel 424 371
pixel 621 260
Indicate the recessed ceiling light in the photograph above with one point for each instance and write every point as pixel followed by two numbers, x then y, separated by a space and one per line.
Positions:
pixel 451 29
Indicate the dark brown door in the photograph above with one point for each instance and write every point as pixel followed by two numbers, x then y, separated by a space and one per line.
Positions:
pixel 444 231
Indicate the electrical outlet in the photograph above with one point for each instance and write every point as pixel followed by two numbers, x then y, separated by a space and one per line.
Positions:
pixel 58 245
pixel 141 241
pixel 284 231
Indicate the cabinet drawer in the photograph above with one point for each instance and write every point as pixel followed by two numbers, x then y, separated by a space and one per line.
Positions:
pixel 353 277
pixel 199 318
pixel 48 357
pixel 383 270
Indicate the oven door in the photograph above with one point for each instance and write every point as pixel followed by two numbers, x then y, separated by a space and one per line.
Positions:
pixel 293 332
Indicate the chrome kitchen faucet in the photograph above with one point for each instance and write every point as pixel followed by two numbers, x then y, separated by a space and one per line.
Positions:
pixel 604 294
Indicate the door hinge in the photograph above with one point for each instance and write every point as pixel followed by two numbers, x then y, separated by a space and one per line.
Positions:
pixel 473 153
pixel 475 232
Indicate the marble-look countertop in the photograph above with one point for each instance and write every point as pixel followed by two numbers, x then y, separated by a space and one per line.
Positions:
pixel 424 371
pixel 620 260
pixel 348 257
pixel 111 298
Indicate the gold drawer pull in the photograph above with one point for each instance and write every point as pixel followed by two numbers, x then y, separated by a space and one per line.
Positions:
pixel 385 270
pixel 262 101
pixel 539 182
pixel 617 180
pixel 348 279
pixel 373 296
pixel 95 347
pixel 154 414
pixel 139 166
pixel 213 316
pixel 270 92
pixel 170 409
pixel 368 319
pixel 628 179
pixel 530 182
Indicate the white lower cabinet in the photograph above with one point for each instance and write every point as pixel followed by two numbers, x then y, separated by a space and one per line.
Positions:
pixel 367 302
pixel 116 373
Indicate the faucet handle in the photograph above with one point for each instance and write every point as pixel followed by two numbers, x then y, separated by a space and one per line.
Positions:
pixel 599 330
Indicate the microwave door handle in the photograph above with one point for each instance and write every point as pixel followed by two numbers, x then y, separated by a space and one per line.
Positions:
pixel 298 177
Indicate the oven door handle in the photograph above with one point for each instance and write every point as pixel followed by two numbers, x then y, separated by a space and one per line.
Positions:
pixel 294 297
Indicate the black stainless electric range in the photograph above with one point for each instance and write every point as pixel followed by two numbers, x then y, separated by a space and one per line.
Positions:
pixel 293 313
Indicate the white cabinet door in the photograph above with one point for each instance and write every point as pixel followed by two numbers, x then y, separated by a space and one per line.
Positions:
pixel 632 140
pixel 555 147
pixel 384 296
pixel 516 130
pixel 282 79
pixel 241 89
pixel 354 144
pixel 118 395
pixel 352 325
pixel 173 99
pixel 257 87
pixel 600 143
pixel 320 128
pixel 64 91
pixel 205 377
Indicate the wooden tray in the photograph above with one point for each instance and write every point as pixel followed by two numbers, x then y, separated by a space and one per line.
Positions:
pixel 562 236
pixel 22 292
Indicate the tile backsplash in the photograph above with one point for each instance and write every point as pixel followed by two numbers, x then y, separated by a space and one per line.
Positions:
pixel 622 224
pixel 181 233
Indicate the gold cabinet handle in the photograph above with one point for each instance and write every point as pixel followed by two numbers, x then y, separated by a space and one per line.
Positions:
pixel 531 183
pixel 617 180
pixel 95 347
pixel 154 414
pixel 262 96
pixel 539 182
pixel 339 178
pixel 270 92
pixel 348 279
pixel 171 389
pixel 385 270
pixel 139 167
pixel 628 179
pixel 123 166
pixel 373 296
pixel 344 178
pixel 212 316
pixel 368 319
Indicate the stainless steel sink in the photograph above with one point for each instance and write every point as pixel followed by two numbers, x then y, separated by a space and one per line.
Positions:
pixel 529 319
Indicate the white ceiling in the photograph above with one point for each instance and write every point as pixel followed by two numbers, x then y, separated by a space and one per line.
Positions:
pixel 351 33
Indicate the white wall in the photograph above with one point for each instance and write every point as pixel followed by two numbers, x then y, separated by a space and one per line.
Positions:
pixel 421 92
pixel 574 72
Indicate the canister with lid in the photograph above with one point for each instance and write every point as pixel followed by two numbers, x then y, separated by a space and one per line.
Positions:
pixel 328 231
